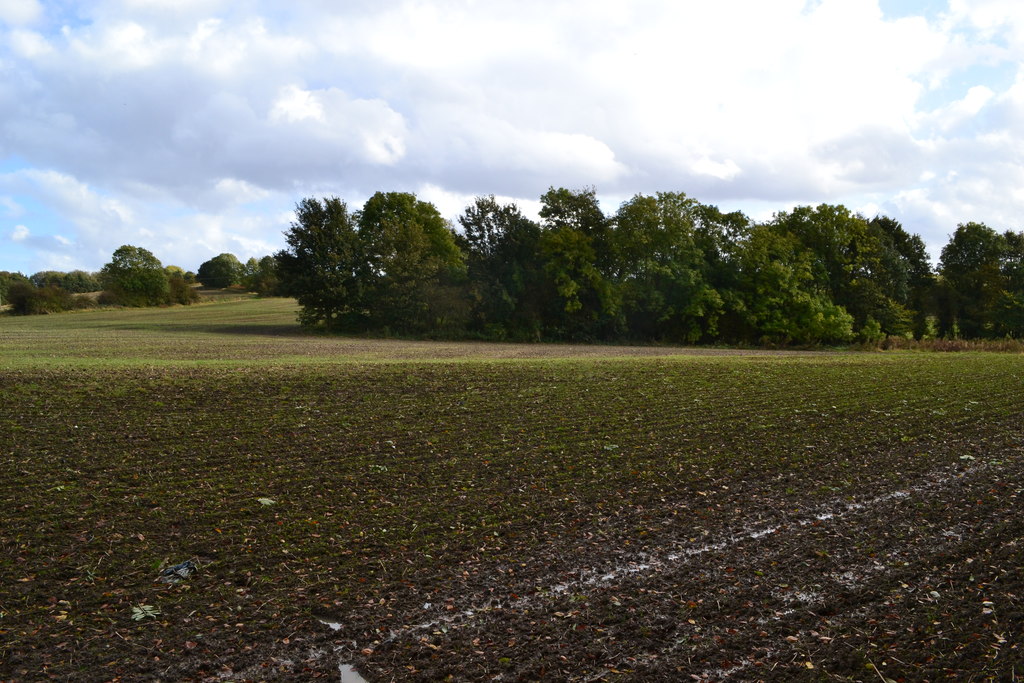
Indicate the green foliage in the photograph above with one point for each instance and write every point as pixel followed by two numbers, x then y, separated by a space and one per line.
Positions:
pixel 664 267
pixel 569 260
pixel 179 283
pixel 7 279
pixel 134 277
pixel 916 294
pixel 177 271
pixel 261 276
pixel 75 282
pixel 393 266
pixel 576 251
pixel 871 332
pixel 180 290
pixel 26 299
pixel 783 300
pixel 223 270
pixel 982 283
pixel 867 267
pixel 506 283
pixel 663 271
pixel 323 265
pixel 412 265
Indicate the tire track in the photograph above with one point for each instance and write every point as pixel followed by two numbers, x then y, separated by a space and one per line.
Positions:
pixel 592 591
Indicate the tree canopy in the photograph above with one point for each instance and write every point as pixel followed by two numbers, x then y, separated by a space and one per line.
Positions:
pixel 324 267
pixel 223 270
pixel 391 265
pixel 662 267
pixel 135 277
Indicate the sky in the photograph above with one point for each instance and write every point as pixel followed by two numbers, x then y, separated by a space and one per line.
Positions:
pixel 192 127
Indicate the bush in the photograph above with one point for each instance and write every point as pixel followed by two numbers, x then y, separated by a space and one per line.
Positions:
pixel 951 345
pixel 28 300
pixel 872 333
pixel 181 292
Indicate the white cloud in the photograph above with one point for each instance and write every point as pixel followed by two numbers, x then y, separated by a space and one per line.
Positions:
pixel 29 44
pixel 178 6
pixel 76 199
pixel 122 46
pixel 194 117
pixel 191 240
pixel 238 191
pixel 20 12
pixel 451 205
pixel 20 233
pixel 993 18
pixel 11 207
pixel 295 104
pixel 723 170
pixel 960 111
pixel 605 97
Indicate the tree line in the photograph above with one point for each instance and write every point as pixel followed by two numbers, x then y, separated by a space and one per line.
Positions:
pixel 663 267
pixel 133 277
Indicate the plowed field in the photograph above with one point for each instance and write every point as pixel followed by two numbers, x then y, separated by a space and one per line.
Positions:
pixel 427 511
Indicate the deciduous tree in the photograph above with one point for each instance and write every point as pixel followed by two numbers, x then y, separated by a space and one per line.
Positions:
pixel 324 265
pixel 412 264
pixel 135 277
pixel 223 270
pixel 506 279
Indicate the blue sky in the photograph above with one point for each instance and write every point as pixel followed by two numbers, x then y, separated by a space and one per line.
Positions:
pixel 191 127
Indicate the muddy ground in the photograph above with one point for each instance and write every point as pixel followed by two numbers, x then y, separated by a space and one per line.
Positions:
pixel 850 518
pixel 917 582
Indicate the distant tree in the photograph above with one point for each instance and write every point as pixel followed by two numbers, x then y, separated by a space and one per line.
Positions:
pixel 719 237
pixel 45 277
pixel 7 279
pixel 856 262
pixel 575 209
pixel 662 269
pixel 180 289
pixel 261 276
pixel 21 297
pixel 223 270
pixel 973 281
pixel 783 301
pixel 324 265
pixel 75 282
pixel 81 282
pixel 918 288
pixel 506 279
pixel 134 277
pixel 413 267
pixel 1012 262
pixel 1009 312
pixel 577 255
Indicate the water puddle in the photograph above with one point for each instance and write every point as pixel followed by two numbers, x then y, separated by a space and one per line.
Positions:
pixel 349 675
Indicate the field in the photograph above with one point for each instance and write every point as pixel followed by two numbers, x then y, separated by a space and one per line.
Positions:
pixel 416 510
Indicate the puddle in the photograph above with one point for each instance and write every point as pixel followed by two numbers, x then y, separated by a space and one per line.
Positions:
pixel 335 626
pixel 349 675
